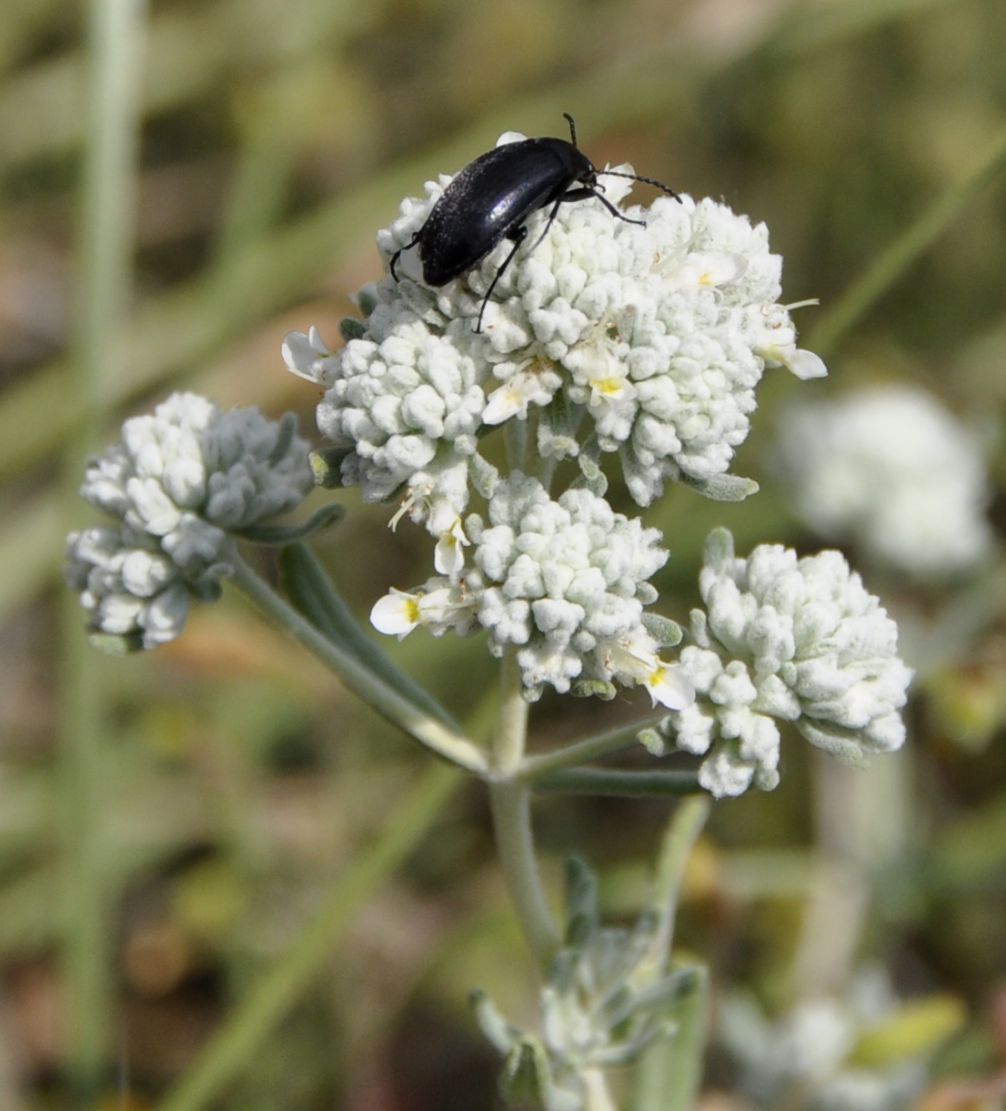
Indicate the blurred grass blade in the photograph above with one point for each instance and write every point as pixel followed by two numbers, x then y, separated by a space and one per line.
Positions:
pixel 115 40
pixel 235 1044
pixel 889 266
pixel 314 594
pixel 669 1076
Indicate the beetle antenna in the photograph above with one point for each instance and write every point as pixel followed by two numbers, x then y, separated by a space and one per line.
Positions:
pixel 572 128
pixel 644 180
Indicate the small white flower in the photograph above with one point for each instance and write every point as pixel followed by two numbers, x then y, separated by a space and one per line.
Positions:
pixel 534 384
pixel 308 357
pixel 667 684
pixel 707 269
pixel 796 639
pixel 396 614
pixel 896 472
pixel 187 468
pixel 440 604
pixel 449 556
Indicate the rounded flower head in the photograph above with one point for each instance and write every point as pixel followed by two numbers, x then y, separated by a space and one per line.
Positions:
pixel 786 638
pixel 895 471
pixel 563 582
pixel 656 334
pixel 179 482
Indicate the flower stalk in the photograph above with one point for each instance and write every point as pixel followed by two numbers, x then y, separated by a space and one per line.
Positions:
pixel 432 734
pixel 510 802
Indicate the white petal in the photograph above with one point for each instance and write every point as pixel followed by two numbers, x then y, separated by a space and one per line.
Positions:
pixel 301 353
pixel 671 687
pixel 504 403
pixel 396 614
pixel 806 365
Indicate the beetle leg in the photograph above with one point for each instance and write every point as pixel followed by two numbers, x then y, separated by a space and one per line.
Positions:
pixel 518 235
pixel 585 191
pixel 394 258
pixel 548 222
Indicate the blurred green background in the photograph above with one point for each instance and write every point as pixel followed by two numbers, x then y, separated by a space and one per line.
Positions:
pixel 208 896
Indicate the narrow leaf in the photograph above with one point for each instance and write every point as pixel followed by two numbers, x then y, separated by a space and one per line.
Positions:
pixel 314 594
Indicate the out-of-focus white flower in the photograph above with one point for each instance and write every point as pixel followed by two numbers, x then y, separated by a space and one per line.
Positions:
pixel 807 1058
pixel 894 471
pixel 179 482
pixel 564 582
pixel 657 334
pixel 781 637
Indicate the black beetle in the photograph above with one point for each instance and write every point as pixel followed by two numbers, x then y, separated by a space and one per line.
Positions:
pixel 492 198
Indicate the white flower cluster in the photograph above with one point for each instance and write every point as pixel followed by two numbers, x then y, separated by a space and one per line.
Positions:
pixel 658 335
pixel 564 582
pixel 895 471
pixel 179 483
pixel 406 405
pixel 782 637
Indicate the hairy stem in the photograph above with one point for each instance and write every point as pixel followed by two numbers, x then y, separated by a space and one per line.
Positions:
pixel 428 731
pixel 533 768
pixel 511 811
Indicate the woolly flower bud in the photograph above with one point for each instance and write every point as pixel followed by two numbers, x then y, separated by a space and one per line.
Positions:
pixel 129 590
pixel 565 582
pixel 786 638
pixel 406 404
pixel 657 334
pixel 894 470
pixel 179 482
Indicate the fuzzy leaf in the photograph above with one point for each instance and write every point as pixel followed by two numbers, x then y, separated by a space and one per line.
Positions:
pixel 278 535
pixel 350 328
pixel 665 632
pixel 724 487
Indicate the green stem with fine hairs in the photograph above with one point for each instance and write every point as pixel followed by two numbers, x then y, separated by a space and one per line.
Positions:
pixel 431 733
pixel 510 802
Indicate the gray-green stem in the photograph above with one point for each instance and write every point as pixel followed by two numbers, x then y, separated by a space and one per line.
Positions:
pixel 534 768
pixel 432 734
pixel 510 802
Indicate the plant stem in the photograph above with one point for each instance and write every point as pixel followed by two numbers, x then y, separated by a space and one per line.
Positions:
pixel 432 734
pixel 307 585
pixel 679 840
pixel 670 1073
pixel 533 768
pixel 510 802
pixel 615 782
